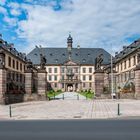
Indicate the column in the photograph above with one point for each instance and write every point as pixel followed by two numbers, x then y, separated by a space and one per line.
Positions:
pixel 42 82
pixel 137 82
pixel 2 85
pixel 28 82
pixel 99 82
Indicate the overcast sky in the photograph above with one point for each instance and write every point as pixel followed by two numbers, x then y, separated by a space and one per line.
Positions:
pixel 108 24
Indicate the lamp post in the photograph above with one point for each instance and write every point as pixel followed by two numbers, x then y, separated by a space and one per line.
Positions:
pixel 112 78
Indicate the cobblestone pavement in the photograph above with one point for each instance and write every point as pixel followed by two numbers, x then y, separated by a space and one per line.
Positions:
pixel 70 96
pixel 72 109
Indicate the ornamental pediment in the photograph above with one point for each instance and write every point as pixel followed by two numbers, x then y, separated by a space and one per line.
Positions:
pixel 70 63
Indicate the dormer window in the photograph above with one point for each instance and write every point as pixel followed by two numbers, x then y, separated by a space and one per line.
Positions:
pixel 84 60
pixel 56 60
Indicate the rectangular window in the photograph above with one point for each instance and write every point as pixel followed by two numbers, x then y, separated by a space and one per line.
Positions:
pixel 62 70
pixel 62 85
pixel 9 61
pixel 17 77
pixel 20 66
pixel 84 85
pixel 55 78
pixel 50 77
pixel 129 61
pixel 62 77
pixel 125 76
pixel 121 66
pixel 90 70
pixel 13 63
pixel 55 70
pixel 76 70
pixel 20 77
pixel 55 85
pixel 76 77
pixel 124 64
pixel 118 68
pixel 90 77
pixel 134 60
pixel 17 65
pixel 13 76
pixel 84 77
pixel 90 85
pixel 84 70
pixel 50 70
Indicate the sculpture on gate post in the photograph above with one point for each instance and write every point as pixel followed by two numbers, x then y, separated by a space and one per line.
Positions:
pixel 98 62
pixel 42 62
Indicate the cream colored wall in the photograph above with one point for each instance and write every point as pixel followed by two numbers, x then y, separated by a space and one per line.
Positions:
pixel 127 64
pixel 53 73
pixel 87 74
pixel 11 68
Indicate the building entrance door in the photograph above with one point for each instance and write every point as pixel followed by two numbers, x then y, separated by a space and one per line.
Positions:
pixel 70 87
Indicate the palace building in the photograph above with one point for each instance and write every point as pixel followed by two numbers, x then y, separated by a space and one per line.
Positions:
pixel 70 68
pixel 12 67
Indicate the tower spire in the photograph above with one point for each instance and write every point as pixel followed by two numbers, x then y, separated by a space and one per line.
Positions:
pixel 69 45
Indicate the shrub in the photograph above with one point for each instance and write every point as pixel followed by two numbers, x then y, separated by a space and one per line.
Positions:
pixel 59 90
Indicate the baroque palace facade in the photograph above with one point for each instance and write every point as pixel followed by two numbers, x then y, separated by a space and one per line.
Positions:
pixel 68 69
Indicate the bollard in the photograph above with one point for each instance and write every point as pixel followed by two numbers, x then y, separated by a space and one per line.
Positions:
pixel 54 95
pixel 86 96
pixel 118 109
pixel 77 97
pixel 63 96
pixel 10 111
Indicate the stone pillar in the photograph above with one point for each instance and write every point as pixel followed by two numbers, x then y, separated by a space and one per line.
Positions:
pixel 42 82
pixel 137 82
pixel 99 82
pixel 3 77
pixel 2 85
pixel 28 82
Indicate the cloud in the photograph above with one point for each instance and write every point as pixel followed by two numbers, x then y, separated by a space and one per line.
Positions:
pixel 15 9
pixel 92 23
pixel 3 10
pixel 10 21
pixel 2 2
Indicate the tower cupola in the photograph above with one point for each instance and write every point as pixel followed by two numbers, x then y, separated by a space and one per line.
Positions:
pixel 69 42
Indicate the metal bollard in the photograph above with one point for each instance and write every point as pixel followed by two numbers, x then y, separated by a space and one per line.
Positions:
pixel 10 111
pixel 63 96
pixel 54 95
pixel 77 97
pixel 119 109
pixel 86 96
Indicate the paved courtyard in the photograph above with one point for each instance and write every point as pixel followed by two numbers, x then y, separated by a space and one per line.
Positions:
pixel 71 108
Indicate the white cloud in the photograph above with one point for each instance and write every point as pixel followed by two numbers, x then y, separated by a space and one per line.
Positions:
pixel 3 10
pixel 15 8
pixel 10 21
pixel 93 23
pixel 2 2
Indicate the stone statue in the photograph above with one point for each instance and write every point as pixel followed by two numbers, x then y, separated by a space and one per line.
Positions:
pixel 98 62
pixel 29 65
pixel 42 62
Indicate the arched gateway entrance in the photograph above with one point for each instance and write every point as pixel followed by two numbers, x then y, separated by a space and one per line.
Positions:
pixel 70 87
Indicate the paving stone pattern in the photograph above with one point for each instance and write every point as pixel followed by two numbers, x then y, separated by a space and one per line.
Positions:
pixel 70 108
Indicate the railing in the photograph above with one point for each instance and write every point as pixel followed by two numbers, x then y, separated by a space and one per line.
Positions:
pixel 70 80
